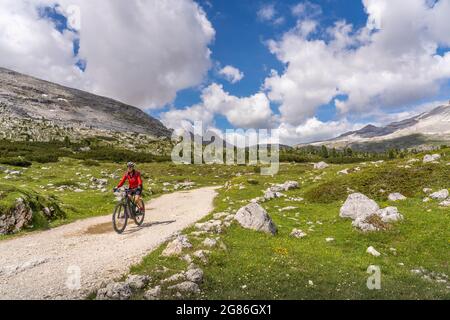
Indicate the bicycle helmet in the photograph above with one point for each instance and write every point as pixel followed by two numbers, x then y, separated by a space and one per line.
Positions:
pixel 130 165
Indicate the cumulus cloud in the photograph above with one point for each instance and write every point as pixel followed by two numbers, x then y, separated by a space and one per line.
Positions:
pixel 247 112
pixel 32 45
pixel 231 74
pixel 390 62
pixel 140 52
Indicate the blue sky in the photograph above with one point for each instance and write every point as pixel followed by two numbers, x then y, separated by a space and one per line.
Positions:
pixel 313 69
pixel 240 42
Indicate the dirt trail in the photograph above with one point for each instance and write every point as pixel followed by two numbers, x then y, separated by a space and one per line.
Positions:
pixel 41 265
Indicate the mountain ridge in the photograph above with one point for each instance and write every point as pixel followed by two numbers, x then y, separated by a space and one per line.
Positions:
pixel 422 130
pixel 26 98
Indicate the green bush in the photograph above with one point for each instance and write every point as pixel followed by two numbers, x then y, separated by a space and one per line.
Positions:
pixel 46 158
pixel 391 179
pixel 16 162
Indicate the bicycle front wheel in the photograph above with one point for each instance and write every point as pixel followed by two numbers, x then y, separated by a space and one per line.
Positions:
pixel 120 218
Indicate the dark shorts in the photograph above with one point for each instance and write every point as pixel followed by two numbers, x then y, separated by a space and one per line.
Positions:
pixel 136 192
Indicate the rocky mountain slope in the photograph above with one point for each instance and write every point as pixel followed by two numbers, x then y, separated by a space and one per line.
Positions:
pixel 37 110
pixel 422 131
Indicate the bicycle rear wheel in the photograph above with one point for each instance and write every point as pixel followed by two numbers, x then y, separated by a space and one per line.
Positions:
pixel 120 218
pixel 138 216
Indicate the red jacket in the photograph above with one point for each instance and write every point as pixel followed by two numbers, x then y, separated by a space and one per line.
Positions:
pixel 134 180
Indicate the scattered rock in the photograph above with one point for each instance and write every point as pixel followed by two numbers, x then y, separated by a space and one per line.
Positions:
pixel 389 214
pixel 287 209
pixel 345 171
pixel 445 203
pixel 329 239
pixel 208 242
pixel 186 287
pixel 321 165
pixel 426 199
pixel 269 194
pixel 175 247
pixel 229 217
pixel 357 206
pixel 17 218
pixel 187 258
pixel 297 233
pixel 195 275
pixel 220 215
pixel 137 282
pixel 115 291
pixel 364 225
pixel 202 255
pixel 255 217
pixel 371 250
pixel 427 190
pixel 153 293
pixel 440 195
pixel 431 158
pixel 175 278
pixel 396 197
pixel 211 225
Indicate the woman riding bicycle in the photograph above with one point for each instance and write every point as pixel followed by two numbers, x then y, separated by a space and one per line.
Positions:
pixel 134 184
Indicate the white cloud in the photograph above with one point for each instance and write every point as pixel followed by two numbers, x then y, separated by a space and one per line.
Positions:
pixel 314 130
pixel 140 52
pixel 231 74
pixel 33 45
pixel 387 64
pixel 306 9
pixel 248 112
pixel 268 13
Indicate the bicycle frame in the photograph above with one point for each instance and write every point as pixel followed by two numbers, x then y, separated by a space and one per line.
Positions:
pixel 129 203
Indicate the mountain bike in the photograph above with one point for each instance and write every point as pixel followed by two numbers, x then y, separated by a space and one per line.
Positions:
pixel 125 209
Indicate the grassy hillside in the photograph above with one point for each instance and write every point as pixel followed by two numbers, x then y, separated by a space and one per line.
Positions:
pixel 252 265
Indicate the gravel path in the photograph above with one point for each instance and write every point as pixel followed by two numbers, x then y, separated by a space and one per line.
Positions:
pixel 44 265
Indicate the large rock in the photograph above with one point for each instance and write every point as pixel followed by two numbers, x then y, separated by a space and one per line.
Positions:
pixel 115 291
pixel 431 158
pixel 254 217
pixel 17 218
pixel 357 206
pixel 396 197
pixel 321 165
pixel 176 246
pixel 440 195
